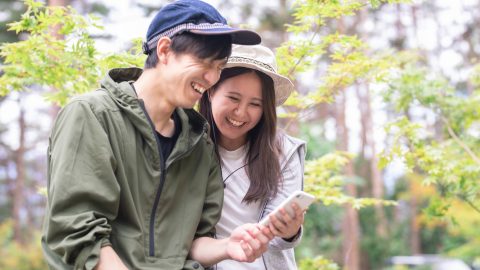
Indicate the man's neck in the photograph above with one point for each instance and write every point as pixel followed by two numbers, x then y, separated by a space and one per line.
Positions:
pixel 157 105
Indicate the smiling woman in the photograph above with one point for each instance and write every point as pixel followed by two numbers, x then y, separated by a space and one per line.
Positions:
pixel 260 168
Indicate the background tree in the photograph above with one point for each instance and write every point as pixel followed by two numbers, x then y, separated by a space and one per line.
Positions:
pixel 357 65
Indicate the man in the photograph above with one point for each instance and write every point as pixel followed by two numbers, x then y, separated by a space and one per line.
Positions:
pixel 133 182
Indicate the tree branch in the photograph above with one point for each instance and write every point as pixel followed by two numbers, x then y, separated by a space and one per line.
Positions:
pixel 473 205
pixel 462 144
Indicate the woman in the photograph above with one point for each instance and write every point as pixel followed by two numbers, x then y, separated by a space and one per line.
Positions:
pixel 260 168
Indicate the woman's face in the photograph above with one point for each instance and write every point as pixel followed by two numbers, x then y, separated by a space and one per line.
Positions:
pixel 237 108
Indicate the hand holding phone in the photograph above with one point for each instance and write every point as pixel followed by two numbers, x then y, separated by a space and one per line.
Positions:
pixel 301 198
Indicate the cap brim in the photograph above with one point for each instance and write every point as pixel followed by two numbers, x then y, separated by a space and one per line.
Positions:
pixel 239 36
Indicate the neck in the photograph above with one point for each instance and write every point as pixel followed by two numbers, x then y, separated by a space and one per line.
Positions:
pixel 157 105
pixel 230 144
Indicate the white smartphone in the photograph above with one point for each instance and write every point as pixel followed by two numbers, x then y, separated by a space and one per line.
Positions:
pixel 301 198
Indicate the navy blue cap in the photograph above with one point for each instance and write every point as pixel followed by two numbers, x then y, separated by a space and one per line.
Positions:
pixel 197 17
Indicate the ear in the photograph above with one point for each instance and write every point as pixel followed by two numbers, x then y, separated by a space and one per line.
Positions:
pixel 163 49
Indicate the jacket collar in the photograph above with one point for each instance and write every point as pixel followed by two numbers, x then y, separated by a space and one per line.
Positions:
pixel 117 83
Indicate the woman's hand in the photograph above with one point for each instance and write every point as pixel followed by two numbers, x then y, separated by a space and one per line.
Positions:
pixel 286 226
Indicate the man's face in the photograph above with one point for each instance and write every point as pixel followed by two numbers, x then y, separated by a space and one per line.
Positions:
pixel 188 77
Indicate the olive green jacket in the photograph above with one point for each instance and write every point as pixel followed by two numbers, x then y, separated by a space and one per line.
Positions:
pixel 109 185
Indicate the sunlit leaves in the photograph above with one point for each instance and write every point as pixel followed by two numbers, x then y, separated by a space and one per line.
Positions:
pixel 324 179
pixel 349 58
pixel 449 159
pixel 475 77
pixel 318 263
pixel 70 64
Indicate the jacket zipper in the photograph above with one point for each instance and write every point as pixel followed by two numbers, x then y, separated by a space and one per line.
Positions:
pixel 155 202
pixel 151 229
pixel 260 218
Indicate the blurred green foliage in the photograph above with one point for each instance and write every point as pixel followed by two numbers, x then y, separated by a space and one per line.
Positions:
pixel 16 256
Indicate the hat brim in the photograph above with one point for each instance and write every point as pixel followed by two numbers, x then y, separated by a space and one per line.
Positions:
pixel 239 36
pixel 282 85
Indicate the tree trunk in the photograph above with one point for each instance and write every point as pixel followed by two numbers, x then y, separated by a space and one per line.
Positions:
pixel 18 190
pixel 54 109
pixel 376 175
pixel 350 223
pixel 414 238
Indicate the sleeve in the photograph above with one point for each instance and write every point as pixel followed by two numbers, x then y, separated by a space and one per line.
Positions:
pixel 83 194
pixel 212 207
pixel 292 173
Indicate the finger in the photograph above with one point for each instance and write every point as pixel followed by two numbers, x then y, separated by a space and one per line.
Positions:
pixel 260 236
pixel 286 218
pixel 246 250
pixel 279 225
pixel 298 211
pixel 255 249
pixel 266 231
pixel 301 218
pixel 251 241
pixel 273 229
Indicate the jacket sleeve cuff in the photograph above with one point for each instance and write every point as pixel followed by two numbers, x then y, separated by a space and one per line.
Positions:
pixel 293 238
pixel 88 257
pixel 281 244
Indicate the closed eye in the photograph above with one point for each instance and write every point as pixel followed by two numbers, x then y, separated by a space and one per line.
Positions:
pixel 233 98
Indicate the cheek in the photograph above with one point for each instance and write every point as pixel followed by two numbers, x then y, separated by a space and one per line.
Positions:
pixel 216 110
pixel 256 116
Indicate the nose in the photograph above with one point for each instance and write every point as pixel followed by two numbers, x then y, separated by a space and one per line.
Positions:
pixel 241 110
pixel 212 75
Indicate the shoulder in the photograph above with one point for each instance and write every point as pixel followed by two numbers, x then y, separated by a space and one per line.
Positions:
pixel 89 107
pixel 290 148
pixel 288 141
pixel 97 100
pixel 289 144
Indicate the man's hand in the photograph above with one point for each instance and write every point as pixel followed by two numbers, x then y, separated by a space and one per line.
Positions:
pixel 287 227
pixel 109 260
pixel 248 242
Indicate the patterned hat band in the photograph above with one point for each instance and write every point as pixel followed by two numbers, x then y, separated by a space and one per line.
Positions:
pixel 239 59
pixel 149 45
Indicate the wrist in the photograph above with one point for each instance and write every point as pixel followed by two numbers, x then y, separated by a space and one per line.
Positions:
pixel 292 238
pixel 224 254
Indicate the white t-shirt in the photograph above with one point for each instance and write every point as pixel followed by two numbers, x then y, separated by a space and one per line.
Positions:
pixel 235 212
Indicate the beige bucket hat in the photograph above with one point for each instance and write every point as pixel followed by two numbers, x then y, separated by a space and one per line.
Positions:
pixel 261 58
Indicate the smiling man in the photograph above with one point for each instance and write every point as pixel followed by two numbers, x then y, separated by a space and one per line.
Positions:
pixel 133 180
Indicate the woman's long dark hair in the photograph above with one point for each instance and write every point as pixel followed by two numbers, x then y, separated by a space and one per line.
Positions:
pixel 263 167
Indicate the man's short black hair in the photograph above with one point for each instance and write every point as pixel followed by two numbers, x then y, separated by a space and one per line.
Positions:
pixel 201 46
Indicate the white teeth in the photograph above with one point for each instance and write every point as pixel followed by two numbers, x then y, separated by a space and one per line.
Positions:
pixel 235 123
pixel 198 88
